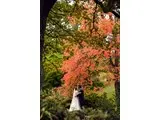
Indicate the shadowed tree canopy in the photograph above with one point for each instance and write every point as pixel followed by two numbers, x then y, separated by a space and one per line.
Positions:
pixel 110 6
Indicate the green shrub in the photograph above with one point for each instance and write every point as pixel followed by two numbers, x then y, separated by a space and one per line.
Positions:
pixel 51 107
pixel 52 79
pixel 55 107
pixel 94 114
pixel 99 102
pixel 86 114
pixel 75 115
pixel 107 106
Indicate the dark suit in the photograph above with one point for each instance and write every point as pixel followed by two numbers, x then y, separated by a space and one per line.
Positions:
pixel 81 97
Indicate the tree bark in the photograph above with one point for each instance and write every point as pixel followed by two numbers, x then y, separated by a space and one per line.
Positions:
pixel 117 91
pixel 45 7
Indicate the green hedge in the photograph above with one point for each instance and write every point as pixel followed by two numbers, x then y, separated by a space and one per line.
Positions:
pixel 55 107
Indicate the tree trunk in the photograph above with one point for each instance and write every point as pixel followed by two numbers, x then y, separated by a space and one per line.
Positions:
pixel 45 7
pixel 117 91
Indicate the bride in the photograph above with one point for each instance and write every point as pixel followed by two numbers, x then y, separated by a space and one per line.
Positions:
pixel 75 105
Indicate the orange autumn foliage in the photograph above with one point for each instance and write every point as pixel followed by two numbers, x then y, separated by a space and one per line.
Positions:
pixel 84 59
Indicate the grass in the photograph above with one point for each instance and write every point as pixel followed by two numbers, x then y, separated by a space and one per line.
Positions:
pixel 110 90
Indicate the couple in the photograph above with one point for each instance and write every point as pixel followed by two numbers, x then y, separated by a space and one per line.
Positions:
pixel 77 99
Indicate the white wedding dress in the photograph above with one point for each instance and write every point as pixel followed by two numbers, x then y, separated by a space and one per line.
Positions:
pixel 75 105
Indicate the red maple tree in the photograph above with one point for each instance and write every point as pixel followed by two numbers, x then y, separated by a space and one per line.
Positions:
pixel 83 58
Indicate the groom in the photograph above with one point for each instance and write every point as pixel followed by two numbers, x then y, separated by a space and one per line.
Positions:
pixel 80 96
